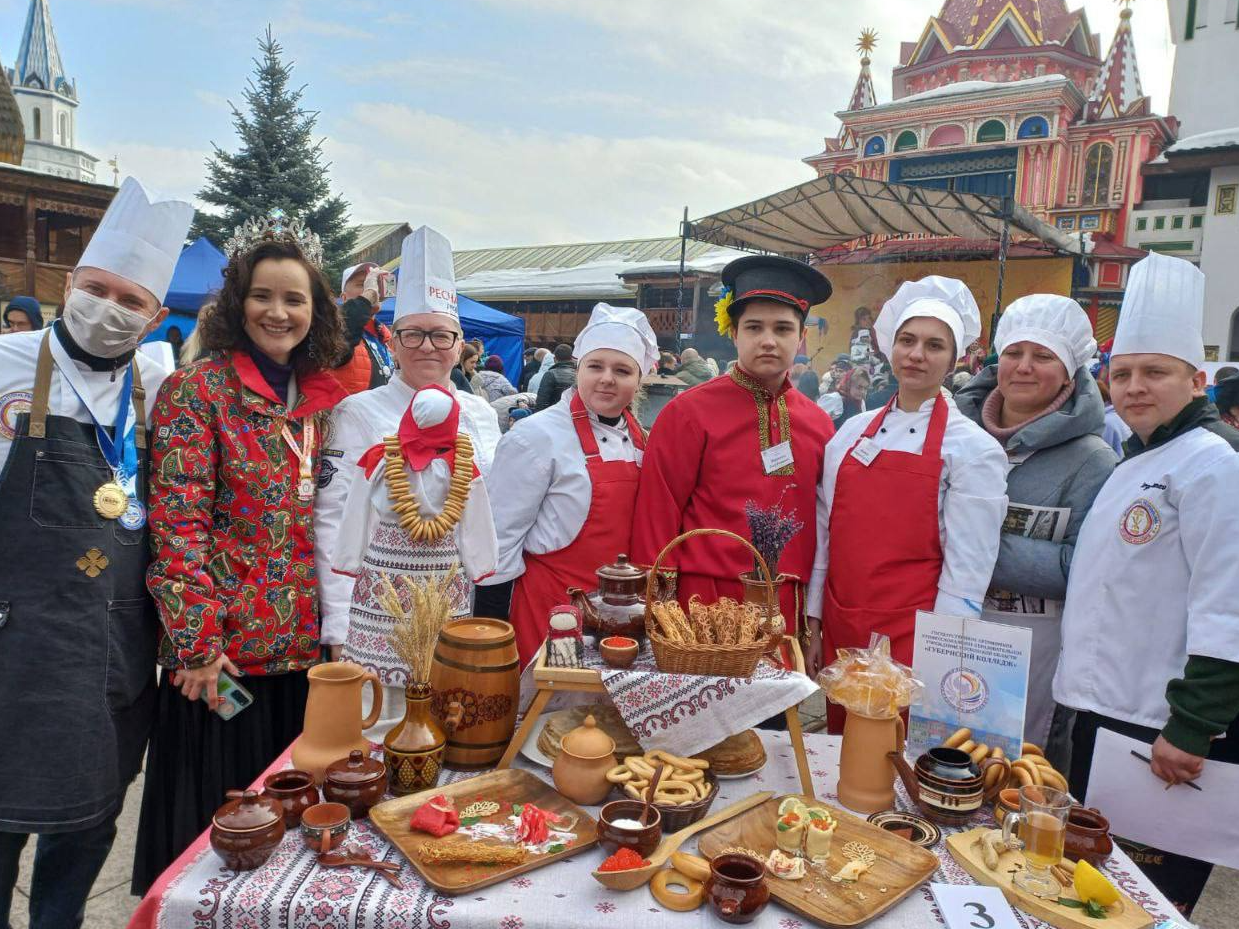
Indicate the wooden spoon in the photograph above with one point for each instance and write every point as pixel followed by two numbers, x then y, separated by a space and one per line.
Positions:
pixel 639 877
pixel 645 810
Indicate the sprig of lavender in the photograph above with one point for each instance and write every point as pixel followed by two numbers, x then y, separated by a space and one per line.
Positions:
pixel 771 529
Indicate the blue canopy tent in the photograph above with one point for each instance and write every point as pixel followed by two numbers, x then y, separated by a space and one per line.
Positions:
pixel 501 333
pixel 199 273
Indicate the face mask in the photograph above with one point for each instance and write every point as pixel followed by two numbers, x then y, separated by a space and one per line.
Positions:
pixel 101 327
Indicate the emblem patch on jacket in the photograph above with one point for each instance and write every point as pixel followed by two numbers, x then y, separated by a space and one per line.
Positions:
pixel 13 405
pixel 1141 522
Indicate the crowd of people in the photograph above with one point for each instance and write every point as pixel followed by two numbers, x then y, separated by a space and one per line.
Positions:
pixel 232 519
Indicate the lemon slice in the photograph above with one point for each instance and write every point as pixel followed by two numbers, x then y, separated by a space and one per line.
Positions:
pixel 793 805
pixel 1091 884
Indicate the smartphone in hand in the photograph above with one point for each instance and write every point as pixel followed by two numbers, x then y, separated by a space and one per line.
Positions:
pixel 235 698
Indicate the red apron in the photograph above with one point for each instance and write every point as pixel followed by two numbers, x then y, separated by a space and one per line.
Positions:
pixel 601 540
pixel 885 552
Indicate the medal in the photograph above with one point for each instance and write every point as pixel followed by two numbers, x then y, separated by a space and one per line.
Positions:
pixel 134 516
pixel 111 501
pixel 304 453
pixel 305 488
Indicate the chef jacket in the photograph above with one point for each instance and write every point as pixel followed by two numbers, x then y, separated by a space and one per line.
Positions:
pixel 358 423
pixel 546 486
pixel 972 500
pixel 1152 580
pixel 19 353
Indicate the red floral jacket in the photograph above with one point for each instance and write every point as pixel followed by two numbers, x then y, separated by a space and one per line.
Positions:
pixel 232 545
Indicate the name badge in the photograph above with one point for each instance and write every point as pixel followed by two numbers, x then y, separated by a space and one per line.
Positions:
pixel 776 457
pixel 865 451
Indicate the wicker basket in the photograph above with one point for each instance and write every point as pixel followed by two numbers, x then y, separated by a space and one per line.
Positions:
pixel 677 816
pixel 717 660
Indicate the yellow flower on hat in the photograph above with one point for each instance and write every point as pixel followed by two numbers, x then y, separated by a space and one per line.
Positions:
pixel 722 314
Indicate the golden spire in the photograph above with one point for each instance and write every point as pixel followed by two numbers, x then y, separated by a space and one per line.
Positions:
pixel 1126 5
pixel 867 43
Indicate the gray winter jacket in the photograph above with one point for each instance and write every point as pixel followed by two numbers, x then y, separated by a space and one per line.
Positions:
pixel 1069 462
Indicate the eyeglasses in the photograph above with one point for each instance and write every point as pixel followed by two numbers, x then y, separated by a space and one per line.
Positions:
pixel 415 338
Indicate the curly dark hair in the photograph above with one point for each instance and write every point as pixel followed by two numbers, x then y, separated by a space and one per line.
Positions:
pixel 223 328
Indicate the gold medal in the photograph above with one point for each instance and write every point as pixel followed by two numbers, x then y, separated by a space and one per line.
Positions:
pixel 111 501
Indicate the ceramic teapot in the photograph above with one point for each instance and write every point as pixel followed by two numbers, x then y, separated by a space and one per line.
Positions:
pixel 617 607
pixel 947 785
pixel 586 754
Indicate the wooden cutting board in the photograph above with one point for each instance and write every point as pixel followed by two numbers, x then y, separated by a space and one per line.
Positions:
pixel 901 866
pixel 511 785
pixel 965 849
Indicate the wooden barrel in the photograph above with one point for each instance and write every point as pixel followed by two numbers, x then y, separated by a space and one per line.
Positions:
pixel 476 664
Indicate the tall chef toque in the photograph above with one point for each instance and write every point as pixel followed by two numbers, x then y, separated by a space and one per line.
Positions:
pixel 427 277
pixel 934 296
pixel 1163 310
pixel 140 238
pixel 622 328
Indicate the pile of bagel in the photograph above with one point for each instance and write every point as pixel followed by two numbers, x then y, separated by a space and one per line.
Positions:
pixel 1030 769
pixel 682 783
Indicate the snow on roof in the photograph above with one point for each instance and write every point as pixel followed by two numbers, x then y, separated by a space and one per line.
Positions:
pixel 1218 138
pixel 969 87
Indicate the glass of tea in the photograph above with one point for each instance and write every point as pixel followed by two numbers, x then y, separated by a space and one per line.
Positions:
pixel 1040 827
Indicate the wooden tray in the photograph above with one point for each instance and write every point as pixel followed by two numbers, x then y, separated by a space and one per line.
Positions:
pixel 965 849
pixel 901 866
pixel 511 785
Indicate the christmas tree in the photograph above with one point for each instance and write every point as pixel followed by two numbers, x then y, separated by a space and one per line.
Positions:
pixel 278 164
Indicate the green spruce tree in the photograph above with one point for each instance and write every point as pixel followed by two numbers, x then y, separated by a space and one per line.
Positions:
pixel 278 164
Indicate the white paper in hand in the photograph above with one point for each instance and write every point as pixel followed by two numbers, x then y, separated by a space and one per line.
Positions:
pixel 973 906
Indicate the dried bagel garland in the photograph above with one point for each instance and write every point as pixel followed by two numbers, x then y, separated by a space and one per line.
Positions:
pixel 405 504
pixel 682 783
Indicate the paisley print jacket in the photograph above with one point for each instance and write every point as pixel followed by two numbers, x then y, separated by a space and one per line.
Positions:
pixel 232 544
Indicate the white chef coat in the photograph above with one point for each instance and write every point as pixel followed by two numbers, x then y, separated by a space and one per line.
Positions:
pixel 832 403
pixel 19 355
pixel 546 489
pixel 358 423
pixel 1152 580
pixel 972 500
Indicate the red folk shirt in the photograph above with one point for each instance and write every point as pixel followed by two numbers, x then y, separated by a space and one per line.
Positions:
pixel 703 462
pixel 233 543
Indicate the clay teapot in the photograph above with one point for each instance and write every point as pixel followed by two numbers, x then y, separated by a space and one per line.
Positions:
pixel 586 754
pixel 617 607
pixel 247 829
pixel 946 785
pixel 333 720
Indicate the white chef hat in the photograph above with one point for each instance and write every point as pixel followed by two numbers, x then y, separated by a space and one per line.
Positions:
pixel 1058 323
pixel 622 328
pixel 1163 310
pixel 140 238
pixel 431 406
pixel 938 297
pixel 427 277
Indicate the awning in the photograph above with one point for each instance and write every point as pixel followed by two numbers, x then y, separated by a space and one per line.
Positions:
pixel 838 208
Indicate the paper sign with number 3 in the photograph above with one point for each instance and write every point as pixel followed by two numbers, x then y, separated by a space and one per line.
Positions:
pixel 971 906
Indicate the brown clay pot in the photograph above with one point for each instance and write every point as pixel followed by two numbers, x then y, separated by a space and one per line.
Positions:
pixel 618 651
pixel 295 792
pixel 586 755
pixel 358 781
pixel 643 841
pixel 324 826
pixel 736 888
pixel 333 720
pixel 947 786
pixel 476 666
pixel 1088 836
pixel 247 829
pixel 617 607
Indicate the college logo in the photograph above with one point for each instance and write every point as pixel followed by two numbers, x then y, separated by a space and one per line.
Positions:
pixel 964 690
pixel 11 406
pixel 1140 523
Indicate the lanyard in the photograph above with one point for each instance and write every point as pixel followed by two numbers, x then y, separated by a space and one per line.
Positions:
pixel 122 458
pixel 305 456
pixel 381 352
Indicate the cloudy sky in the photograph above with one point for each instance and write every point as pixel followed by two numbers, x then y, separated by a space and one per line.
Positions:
pixel 505 122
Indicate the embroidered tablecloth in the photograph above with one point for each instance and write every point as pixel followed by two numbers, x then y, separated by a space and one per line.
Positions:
pixel 290 891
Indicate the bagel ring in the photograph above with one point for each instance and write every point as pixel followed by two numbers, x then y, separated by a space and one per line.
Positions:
pixel 695 891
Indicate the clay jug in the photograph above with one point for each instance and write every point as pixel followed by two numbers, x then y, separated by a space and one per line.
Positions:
pixel 756 591
pixel 333 720
pixel 413 750
pixel 866 773
pixel 476 665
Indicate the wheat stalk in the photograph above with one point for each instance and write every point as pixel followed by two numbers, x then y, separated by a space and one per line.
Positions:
pixel 416 630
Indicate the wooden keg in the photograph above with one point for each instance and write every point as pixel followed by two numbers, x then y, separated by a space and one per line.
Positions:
pixel 476 665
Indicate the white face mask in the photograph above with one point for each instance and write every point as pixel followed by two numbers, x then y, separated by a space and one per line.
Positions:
pixel 101 327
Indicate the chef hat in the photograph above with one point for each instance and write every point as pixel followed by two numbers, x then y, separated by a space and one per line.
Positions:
pixel 623 329
pixel 1163 310
pixel 427 277
pixel 938 297
pixel 1058 323
pixel 140 238
pixel 431 406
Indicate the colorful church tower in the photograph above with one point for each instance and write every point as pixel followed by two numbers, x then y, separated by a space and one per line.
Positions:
pixel 1013 98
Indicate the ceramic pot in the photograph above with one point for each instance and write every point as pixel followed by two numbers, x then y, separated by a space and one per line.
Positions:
pixel 247 829
pixel 866 772
pixel 413 751
pixel 643 841
pixel 618 651
pixel 1007 801
pixel 586 755
pixel 756 591
pixel 476 666
pixel 324 826
pixel 358 781
pixel 617 607
pixel 294 791
pixel 736 888
pixel 946 785
pixel 333 720
pixel 1088 836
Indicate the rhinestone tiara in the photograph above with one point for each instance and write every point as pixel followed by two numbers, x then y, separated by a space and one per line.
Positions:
pixel 276 226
